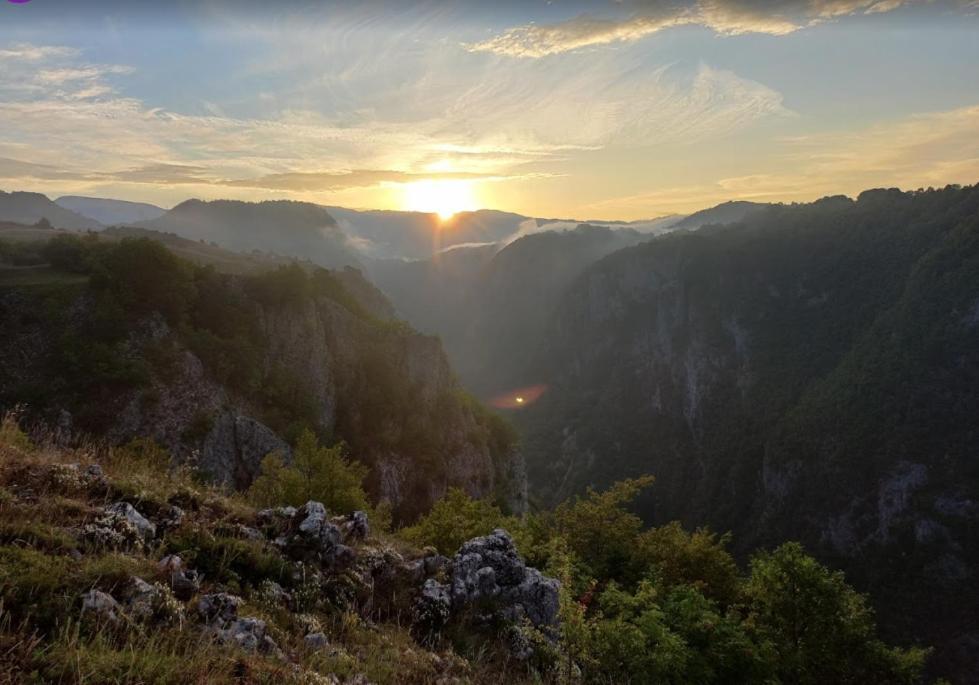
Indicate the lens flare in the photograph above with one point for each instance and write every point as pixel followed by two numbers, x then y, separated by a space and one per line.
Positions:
pixel 519 397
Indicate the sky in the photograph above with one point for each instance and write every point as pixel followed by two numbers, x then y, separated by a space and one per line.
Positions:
pixel 609 109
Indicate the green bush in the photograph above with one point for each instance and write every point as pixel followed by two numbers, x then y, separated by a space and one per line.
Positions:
pixel 822 630
pixel 316 473
pixel 454 519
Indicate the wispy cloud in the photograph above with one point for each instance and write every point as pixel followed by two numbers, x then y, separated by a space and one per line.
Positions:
pixel 930 149
pixel 500 125
pixel 725 17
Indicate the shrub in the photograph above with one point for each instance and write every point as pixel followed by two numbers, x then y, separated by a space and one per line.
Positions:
pixel 822 630
pixel 316 473
pixel 454 519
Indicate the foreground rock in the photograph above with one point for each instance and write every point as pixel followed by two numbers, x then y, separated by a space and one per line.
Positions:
pixel 219 612
pixel 489 582
pixel 121 526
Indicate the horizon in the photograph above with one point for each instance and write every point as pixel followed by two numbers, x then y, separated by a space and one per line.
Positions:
pixel 624 110
pixel 448 218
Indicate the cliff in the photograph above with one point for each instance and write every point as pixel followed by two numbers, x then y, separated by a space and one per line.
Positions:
pixel 809 374
pixel 236 366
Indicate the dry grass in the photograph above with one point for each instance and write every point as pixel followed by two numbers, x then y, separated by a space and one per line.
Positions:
pixel 44 570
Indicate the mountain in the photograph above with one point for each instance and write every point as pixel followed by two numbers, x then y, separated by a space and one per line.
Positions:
pixel 490 304
pixel 222 369
pixel 110 212
pixel 724 213
pixel 295 229
pixel 29 208
pixel 811 373
pixel 418 235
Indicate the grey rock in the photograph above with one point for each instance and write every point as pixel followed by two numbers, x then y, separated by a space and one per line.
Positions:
pixel 219 608
pixel 432 608
pixel 102 606
pixel 248 634
pixel 147 602
pixel 185 584
pixel 354 527
pixel 489 570
pixel 120 526
pixel 233 450
pixel 127 511
pixel 313 537
pixel 315 641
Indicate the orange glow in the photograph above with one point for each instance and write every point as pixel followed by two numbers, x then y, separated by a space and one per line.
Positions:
pixel 518 398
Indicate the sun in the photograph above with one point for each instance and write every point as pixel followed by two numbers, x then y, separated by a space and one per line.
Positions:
pixel 444 198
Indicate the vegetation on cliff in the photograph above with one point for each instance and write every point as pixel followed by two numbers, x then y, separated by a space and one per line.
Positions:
pixel 192 584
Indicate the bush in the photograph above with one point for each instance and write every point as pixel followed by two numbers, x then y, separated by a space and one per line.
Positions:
pixel 316 473
pixel 454 519
pixel 822 630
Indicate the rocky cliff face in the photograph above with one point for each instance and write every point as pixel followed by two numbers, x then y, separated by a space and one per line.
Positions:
pixel 385 390
pixel 810 374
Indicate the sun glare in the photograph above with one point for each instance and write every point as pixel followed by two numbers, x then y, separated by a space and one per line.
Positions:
pixel 444 198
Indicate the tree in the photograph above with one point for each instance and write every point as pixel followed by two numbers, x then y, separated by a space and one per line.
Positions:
pixel 455 518
pixel 316 473
pixel 598 528
pixel 822 630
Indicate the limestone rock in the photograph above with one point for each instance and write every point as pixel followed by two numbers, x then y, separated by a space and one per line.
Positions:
pixel 233 450
pixel 489 570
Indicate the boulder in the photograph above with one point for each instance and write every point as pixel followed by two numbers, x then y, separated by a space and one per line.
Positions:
pixel 432 608
pixel 147 602
pixel 120 526
pixel 101 606
pixel 316 641
pixel 489 572
pixel 125 510
pixel 233 450
pixel 311 536
pixel 219 612
pixel 219 607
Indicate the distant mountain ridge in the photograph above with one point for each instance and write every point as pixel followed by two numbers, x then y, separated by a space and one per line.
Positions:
pixel 110 212
pixel 285 227
pixel 29 208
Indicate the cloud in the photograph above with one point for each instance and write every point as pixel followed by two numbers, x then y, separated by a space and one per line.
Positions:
pixel 318 181
pixel 725 17
pixel 27 52
pixel 485 123
pixel 539 41
pixel 930 149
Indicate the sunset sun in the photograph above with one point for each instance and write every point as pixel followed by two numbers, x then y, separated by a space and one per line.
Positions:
pixel 444 198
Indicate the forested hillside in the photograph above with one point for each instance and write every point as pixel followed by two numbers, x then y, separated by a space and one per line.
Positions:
pixel 811 373
pixel 123 340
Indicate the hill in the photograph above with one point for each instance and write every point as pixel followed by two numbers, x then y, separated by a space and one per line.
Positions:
pixel 29 208
pixel 110 212
pixel 810 373
pixel 226 368
pixel 116 567
pixel 294 229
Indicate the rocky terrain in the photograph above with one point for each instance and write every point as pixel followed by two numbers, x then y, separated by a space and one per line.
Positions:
pixel 157 579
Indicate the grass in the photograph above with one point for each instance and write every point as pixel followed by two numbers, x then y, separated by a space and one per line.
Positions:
pixel 44 572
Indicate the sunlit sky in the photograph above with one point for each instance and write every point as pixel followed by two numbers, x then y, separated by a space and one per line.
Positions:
pixel 611 110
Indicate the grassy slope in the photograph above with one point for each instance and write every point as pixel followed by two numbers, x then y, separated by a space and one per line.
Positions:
pixel 44 570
